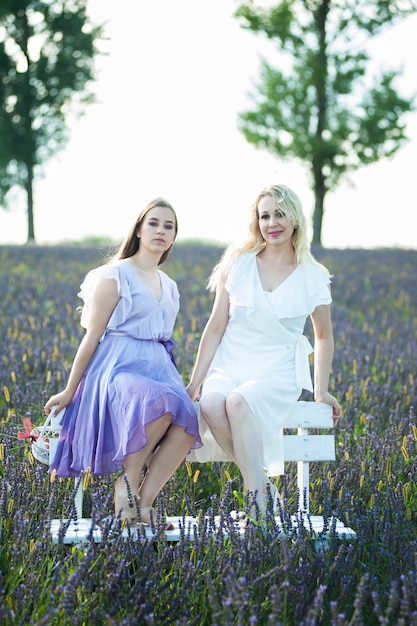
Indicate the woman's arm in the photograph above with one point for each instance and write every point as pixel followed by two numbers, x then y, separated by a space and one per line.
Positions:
pixel 104 301
pixel 210 340
pixel 323 357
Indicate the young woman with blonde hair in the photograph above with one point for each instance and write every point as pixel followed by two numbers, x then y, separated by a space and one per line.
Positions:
pixel 253 357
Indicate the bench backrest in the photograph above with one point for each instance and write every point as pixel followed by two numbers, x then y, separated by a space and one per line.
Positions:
pixel 301 446
pixel 305 446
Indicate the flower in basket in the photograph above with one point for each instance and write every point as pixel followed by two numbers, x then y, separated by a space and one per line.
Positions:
pixel 29 432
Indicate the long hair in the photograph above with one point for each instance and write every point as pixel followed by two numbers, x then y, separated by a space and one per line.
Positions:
pixel 131 243
pixel 289 204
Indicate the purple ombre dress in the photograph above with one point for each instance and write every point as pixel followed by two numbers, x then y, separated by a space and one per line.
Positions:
pixel 130 381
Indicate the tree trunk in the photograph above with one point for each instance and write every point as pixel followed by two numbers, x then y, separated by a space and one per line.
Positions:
pixel 318 217
pixel 322 101
pixel 319 193
pixel 29 193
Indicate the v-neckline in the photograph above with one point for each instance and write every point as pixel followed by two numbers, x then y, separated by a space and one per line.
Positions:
pixel 136 273
pixel 266 291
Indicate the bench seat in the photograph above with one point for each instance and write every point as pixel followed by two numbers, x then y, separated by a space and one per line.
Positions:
pixel 303 443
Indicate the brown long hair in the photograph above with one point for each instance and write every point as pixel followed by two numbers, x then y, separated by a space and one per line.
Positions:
pixel 132 242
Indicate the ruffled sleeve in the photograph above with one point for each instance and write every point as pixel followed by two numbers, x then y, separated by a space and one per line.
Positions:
pixel 123 307
pixel 317 281
pixel 241 280
pixel 171 286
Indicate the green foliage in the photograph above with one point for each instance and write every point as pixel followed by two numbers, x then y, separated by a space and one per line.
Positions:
pixel 323 110
pixel 47 51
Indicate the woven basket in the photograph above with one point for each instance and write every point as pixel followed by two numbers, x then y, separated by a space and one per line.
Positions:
pixel 47 437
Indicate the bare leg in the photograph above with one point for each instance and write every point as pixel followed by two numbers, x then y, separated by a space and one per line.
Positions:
pixel 248 447
pixel 213 410
pixel 167 458
pixel 134 464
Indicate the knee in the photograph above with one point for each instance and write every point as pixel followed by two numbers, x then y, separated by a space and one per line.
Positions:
pixel 236 405
pixel 212 407
pixel 166 419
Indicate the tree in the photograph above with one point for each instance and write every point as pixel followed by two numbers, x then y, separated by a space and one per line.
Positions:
pixel 47 52
pixel 325 110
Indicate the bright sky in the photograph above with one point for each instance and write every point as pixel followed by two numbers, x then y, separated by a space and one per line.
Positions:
pixel 169 92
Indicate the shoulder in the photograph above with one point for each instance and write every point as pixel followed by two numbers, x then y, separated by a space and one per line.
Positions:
pixel 117 271
pixel 120 265
pixel 242 266
pixel 167 279
pixel 317 282
pixel 315 270
pixel 168 282
pixel 242 261
pixel 112 269
pixel 121 271
pixel 240 279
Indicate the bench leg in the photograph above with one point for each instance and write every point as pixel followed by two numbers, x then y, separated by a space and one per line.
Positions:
pixel 303 479
pixel 78 497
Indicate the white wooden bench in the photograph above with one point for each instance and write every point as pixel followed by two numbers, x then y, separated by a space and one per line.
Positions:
pixel 301 446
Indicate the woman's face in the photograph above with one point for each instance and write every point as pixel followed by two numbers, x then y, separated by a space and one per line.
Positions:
pixel 158 229
pixel 276 229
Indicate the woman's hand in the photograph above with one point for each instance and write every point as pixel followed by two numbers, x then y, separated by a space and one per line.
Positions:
pixel 327 398
pixel 193 391
pixel 60 400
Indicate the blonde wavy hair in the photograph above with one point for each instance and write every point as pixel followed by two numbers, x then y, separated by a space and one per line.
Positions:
pixel 289 204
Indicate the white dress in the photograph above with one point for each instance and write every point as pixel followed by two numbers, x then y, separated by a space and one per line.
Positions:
pixel 264 354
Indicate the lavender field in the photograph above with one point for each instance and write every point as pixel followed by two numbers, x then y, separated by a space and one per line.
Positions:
pixel 207 579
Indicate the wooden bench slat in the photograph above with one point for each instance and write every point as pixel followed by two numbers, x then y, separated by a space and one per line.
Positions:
pixel 80 532
pixel 310 415
pixel 309 448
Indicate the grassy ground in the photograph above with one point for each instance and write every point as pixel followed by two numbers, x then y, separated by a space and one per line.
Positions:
pixel 203 579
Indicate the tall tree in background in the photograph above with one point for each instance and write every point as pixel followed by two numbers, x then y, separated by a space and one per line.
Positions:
pixel 47 51
pixel 325 110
